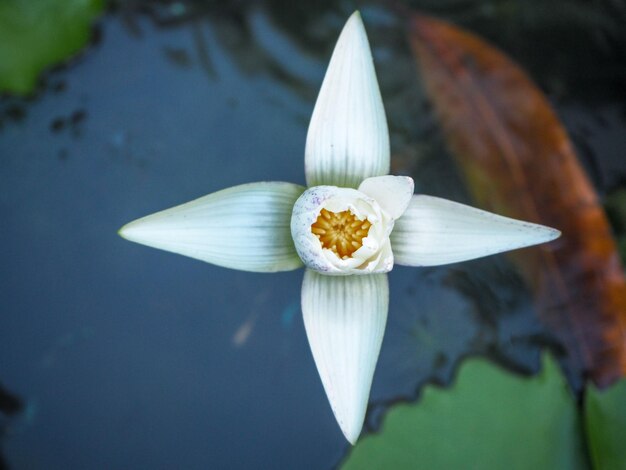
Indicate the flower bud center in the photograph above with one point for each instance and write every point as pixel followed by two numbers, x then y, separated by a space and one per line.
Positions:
pixel 341 232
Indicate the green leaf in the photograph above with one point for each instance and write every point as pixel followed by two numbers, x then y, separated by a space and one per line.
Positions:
pixel 35 34
pixel 605 419
pixel 489 419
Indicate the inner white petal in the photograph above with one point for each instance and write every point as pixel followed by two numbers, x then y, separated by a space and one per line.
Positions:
pixel 341 231
pixel 393 193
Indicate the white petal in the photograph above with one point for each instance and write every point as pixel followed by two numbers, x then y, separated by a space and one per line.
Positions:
pixel 393 193
pixel 345 321
pixel 245 227
pixel 436 231
pixel 348 139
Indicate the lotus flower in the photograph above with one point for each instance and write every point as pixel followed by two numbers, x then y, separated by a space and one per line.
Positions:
pixel 348 229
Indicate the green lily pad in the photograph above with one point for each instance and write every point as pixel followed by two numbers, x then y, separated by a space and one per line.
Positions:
pixel 605 419
pixel 35 34
pixel 489 419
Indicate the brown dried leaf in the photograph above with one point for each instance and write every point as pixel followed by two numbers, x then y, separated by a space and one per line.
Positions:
pixel 518 160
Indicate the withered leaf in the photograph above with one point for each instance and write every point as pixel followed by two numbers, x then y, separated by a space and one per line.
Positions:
pixel 518 161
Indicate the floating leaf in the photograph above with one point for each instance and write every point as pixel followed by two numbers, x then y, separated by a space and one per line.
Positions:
pixel 37 33
pixel 518 161
pixel 489 419
pixel 605 419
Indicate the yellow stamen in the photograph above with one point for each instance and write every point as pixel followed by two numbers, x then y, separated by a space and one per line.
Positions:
pixel 341 232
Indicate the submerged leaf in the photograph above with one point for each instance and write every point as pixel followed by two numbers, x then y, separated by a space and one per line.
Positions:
pixel 605 420
pixel 518 161
pixel 488 419
pixel 35 34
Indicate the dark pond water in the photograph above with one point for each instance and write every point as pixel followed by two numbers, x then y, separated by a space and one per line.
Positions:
pixel 127 357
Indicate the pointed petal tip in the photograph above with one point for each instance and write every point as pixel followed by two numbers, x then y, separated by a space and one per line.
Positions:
pixel 553 234
pixel 350 418
pixel 538 234
pixel 126 231
pixel 351 424
pixel 355 18
pixel 354 31
pixel 351 435
pixel 132 231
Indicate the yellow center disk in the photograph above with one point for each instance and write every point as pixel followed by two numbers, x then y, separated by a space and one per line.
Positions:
pixel 341 232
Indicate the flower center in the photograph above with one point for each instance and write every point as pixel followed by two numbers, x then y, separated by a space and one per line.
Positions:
pixel 341 232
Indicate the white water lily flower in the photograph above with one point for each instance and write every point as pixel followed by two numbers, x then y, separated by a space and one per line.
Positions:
pixel 348 229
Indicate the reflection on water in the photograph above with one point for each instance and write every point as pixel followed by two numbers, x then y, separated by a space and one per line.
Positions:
pixel 10 405
pixel 190 365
